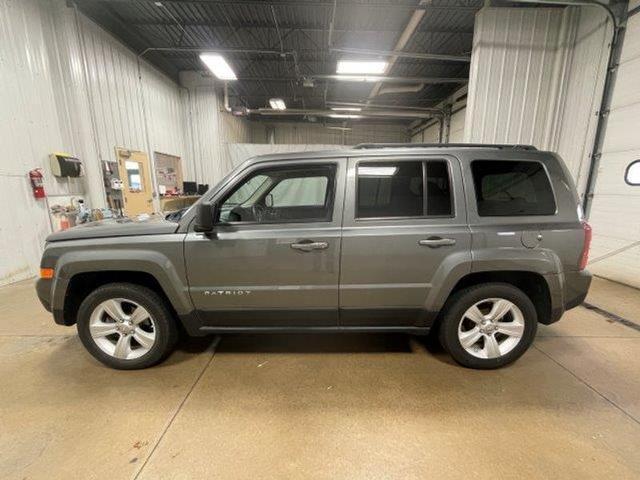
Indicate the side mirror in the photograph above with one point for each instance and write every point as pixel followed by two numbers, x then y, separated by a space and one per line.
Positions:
pixel 268 201
pixel 204 217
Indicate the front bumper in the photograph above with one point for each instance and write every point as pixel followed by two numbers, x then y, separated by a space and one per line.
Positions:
pixel 43 289
pixel 47 289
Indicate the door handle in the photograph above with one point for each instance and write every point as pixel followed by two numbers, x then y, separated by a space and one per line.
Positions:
pixel 435 242
pixel 308 245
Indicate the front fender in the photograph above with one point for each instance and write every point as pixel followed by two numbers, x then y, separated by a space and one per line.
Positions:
pixel 154 263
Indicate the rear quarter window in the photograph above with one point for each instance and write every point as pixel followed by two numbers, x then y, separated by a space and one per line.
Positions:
pixel 512 188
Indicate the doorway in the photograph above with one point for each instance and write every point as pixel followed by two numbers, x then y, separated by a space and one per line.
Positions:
pixel 137 188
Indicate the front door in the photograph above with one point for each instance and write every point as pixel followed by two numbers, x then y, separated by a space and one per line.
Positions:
pixel 404 223
pixel 137 189
pixel 273 260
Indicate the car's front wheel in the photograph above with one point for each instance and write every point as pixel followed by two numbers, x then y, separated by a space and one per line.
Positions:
pixel 126 326
pixel 488 326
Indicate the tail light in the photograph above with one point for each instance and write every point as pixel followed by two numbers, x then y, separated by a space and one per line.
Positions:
pixel 584 256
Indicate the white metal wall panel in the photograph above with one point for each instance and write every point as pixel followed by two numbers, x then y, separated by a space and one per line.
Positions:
pixel 432 133
pixel 29 131
pixel 536 78
pixel 580 93
pixel 209 129
pixel 49 102
pixel 456 128
pixel 614 212
pixel 513 70
pixel 312 134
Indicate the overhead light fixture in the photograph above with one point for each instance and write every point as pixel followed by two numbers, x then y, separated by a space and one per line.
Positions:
pixel 346 109
pixel 360 67
pixel 218 66
pixel 358 78
pixel 277 104
pixel 343 115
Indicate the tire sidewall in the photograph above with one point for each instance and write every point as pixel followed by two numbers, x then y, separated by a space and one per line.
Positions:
pixel 164 326
pixel 463 300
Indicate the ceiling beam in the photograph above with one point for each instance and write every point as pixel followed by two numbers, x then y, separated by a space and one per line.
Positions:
pixel 459 6
pixel 284 26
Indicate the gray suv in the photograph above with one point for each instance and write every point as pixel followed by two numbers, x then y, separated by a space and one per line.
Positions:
pixel 475 243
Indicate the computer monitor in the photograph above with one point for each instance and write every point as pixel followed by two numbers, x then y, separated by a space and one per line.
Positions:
pixel 190 188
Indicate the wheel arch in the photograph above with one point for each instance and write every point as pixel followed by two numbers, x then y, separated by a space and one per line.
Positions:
pixel 535 285
pixel 79 273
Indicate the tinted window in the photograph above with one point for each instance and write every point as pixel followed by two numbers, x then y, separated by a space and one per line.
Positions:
pixel 390 189
pixel 396 189
pixel 276 195
pixel 508 188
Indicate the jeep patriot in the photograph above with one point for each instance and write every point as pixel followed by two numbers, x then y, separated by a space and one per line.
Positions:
pixel 475 243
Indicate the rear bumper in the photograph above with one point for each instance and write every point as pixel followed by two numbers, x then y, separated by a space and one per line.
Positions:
pixel 576 287
pixel 568 290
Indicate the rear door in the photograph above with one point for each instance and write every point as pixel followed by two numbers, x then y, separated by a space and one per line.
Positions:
pixel 404 228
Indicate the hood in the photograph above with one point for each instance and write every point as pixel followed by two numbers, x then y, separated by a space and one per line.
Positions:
pixel 120 227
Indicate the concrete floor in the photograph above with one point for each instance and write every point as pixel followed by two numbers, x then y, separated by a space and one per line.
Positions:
pixel 324 406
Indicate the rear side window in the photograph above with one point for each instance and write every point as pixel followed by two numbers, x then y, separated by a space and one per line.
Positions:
pixel 510 188
pixel 397 189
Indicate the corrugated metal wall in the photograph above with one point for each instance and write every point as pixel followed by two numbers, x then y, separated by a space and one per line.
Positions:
pixel 309 133
pixel 31 127
pixel 68 86
pixel 431 134
pixel 456 128
pixel 537 77
pixel 615 252
pixel 209 129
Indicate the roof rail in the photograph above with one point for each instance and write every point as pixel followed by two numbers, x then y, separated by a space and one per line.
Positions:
pixel 364 146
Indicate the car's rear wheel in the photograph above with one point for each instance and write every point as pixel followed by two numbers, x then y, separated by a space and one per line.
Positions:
pixel 126 326
pixel 488 326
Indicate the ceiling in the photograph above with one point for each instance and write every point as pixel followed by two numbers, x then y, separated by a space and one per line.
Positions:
pixel 307 31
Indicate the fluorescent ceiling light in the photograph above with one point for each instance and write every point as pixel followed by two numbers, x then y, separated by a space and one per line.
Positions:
pixel 358 78
pixel 277 104
pixel 218 66
pixel 359 67
pixel 346 109
pixel 377 171
pixel 343 115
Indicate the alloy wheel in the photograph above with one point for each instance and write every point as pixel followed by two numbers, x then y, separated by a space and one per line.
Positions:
pixel 122 328
pixel 491 328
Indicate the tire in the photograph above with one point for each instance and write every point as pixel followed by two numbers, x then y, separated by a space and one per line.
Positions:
pixel 103 327
pixel 493 348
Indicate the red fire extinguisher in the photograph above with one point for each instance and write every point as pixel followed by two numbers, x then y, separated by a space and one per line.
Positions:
pixel 37 183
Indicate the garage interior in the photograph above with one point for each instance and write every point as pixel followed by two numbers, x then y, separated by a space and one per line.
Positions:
pixel 88 85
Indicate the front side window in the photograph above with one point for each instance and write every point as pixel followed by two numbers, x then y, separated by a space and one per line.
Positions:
pixel 397 189
pixel 282 195
pixel 512 188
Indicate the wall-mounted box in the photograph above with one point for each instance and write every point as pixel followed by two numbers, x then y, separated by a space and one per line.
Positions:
pixel 64 165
